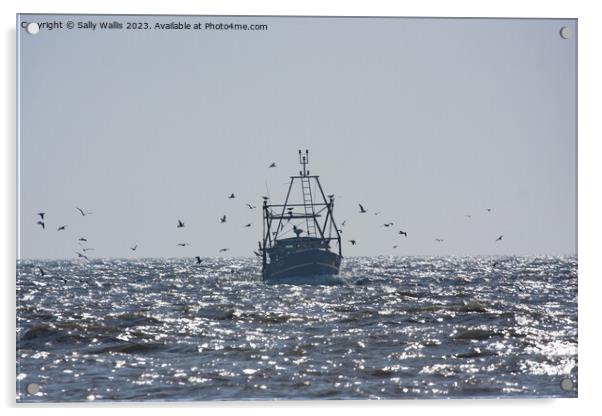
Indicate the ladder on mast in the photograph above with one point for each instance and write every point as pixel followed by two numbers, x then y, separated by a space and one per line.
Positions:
pixel 308 203
pixel 309 207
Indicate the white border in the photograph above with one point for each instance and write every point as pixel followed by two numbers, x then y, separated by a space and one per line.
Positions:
pixel 590 209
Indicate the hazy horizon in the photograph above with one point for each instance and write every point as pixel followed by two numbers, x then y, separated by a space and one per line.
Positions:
pixel 428 121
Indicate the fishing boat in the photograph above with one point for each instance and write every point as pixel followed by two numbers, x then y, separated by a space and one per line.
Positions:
pixel 300 236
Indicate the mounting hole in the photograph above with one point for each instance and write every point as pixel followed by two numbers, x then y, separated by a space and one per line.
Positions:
pixel 565 32
pixel 32 28
pixel 33 388
pixel 567 384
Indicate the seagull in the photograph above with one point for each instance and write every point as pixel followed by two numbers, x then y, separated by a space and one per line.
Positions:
pixel 81 239
pixel 343 223
pixel 41 214
pixel 439 240
pixel 198 260
pixel 353 242
pixel 232 196
pixel 273 165
pixel 362 210
pixel 134 248
pixel 222 219
pixel 248 225
pixel 222 250
pixel 80 255
pixel 394 246
pixel 82 212
pixel 376 213
pixel 180 224
pixel 41 223
pixel 61 228
pixel 251 206
pixel 405 234
pixel 42 272
pixel 499 238
pixel 183 244
pixel 388 224
pixel 488 209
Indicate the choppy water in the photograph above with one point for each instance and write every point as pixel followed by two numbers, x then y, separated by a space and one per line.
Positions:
pixel 394 328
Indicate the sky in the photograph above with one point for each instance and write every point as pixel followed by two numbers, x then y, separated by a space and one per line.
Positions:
pixel 430 122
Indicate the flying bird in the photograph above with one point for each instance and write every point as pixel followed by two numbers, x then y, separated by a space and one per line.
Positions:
pixel 80 255
pixel 488 209
pixel 273 165
pixel 405 234
pixel 388 224
pixel 222 219
pixel 198 260
pixel 343 223
pixel 134 248
pixel 353 242
pixel 223 250
pixel 81 239
pixel 248 225
pixel 61 228
pixel 395 246
pixel 41 214
pixel 41 223
pixel 499 238
pixel 83 212
pixel 180 224
pixel 376 213
pixel 183 244
pixel 439 240
pixel 251 206
pixel 362 210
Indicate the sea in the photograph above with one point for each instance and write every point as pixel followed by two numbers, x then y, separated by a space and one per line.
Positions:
pixel 385 328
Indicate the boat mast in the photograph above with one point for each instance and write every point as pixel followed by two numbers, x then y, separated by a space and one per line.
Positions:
pixel 309 191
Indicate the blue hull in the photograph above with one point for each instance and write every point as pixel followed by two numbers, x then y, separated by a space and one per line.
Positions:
pixel 306 263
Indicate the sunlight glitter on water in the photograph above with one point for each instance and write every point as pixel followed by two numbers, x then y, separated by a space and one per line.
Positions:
pixel 393 328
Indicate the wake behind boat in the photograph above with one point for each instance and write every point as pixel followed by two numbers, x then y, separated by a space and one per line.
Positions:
pixel 300 237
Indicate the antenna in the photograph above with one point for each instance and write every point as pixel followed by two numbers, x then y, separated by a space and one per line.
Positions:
pixel 304 160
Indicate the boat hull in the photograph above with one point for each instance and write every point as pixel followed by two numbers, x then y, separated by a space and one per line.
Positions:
pixel 306 263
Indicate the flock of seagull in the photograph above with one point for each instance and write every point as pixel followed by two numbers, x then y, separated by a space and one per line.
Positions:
pixel 180 224
pixel 363 210
pixel 81 254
